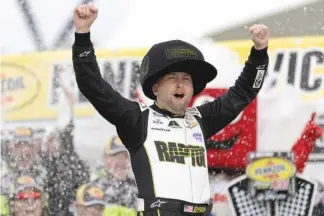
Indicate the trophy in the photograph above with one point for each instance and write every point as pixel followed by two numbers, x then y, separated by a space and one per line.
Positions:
pixel 271 187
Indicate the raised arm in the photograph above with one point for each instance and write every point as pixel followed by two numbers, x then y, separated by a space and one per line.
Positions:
pixel 108 102
pixel 121 112
pixel 220 112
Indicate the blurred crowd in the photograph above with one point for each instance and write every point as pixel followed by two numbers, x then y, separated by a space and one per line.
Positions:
pixel 43 175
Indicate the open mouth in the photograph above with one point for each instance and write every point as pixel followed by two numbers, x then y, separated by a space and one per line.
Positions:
pixel 224 144
pixel 179 95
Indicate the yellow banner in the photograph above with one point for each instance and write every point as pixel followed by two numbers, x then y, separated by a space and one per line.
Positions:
pixel 29 81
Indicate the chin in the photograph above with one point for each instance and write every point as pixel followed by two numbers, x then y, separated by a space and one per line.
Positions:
pixel 183 102
pixel 180 107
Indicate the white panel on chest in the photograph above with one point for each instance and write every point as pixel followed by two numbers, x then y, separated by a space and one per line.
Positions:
pixel 180 130
pixel 177 140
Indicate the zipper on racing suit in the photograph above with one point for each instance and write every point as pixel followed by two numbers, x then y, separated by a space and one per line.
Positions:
pixel 189 164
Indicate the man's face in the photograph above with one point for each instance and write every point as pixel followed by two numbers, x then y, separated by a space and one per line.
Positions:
pixel 28 206
pixel 23 154
pixel 93 210
pixel 174 91
pixel 118 164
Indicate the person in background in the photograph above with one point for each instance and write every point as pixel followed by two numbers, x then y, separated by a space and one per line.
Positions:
pixel 90 200
pixel 114 150
pixel 116 175
pixel 27 197
pixel 22 149
pixel 22 159
pixel 54 160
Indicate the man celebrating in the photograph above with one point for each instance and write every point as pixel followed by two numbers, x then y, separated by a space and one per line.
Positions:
pixel 166 140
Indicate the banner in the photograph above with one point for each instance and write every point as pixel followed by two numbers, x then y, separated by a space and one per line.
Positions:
pixel 30 81
pixel 294 61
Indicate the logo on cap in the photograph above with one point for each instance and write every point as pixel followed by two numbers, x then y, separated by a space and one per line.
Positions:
pixel 95 192
pixel 180 53
pixel 23 132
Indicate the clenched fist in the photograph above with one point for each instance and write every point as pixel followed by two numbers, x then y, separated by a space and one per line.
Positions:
pixel 84 16
pixel 259 36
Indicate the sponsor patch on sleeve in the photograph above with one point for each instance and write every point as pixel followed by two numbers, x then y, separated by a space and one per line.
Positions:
pixel 193 111
pixel 84 54
pixel 258 79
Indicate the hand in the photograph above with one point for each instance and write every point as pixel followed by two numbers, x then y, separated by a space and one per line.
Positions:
pixel 259 36
pixel 83 17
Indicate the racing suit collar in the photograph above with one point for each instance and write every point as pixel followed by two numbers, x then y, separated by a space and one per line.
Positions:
pixel 165 112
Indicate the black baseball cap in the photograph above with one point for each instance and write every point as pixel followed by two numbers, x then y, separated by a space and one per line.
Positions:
pixel 175 56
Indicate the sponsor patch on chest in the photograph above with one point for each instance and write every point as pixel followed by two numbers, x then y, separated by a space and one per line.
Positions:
pixel 198 137
pixel 190 120
pixel 174 124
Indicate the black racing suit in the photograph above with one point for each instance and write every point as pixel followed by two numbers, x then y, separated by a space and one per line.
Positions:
pixel 167 151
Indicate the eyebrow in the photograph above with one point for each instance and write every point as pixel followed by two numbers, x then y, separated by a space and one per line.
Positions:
pixel 174 73
pixel 171 74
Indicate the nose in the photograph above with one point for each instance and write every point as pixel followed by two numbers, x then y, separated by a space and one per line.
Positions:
pixel 30 207
pixel 179 83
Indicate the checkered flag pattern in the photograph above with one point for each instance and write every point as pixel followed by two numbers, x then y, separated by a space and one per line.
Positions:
pixel 299 204
pixel 242 204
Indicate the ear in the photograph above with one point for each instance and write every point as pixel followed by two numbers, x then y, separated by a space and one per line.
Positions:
pixel 155 89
